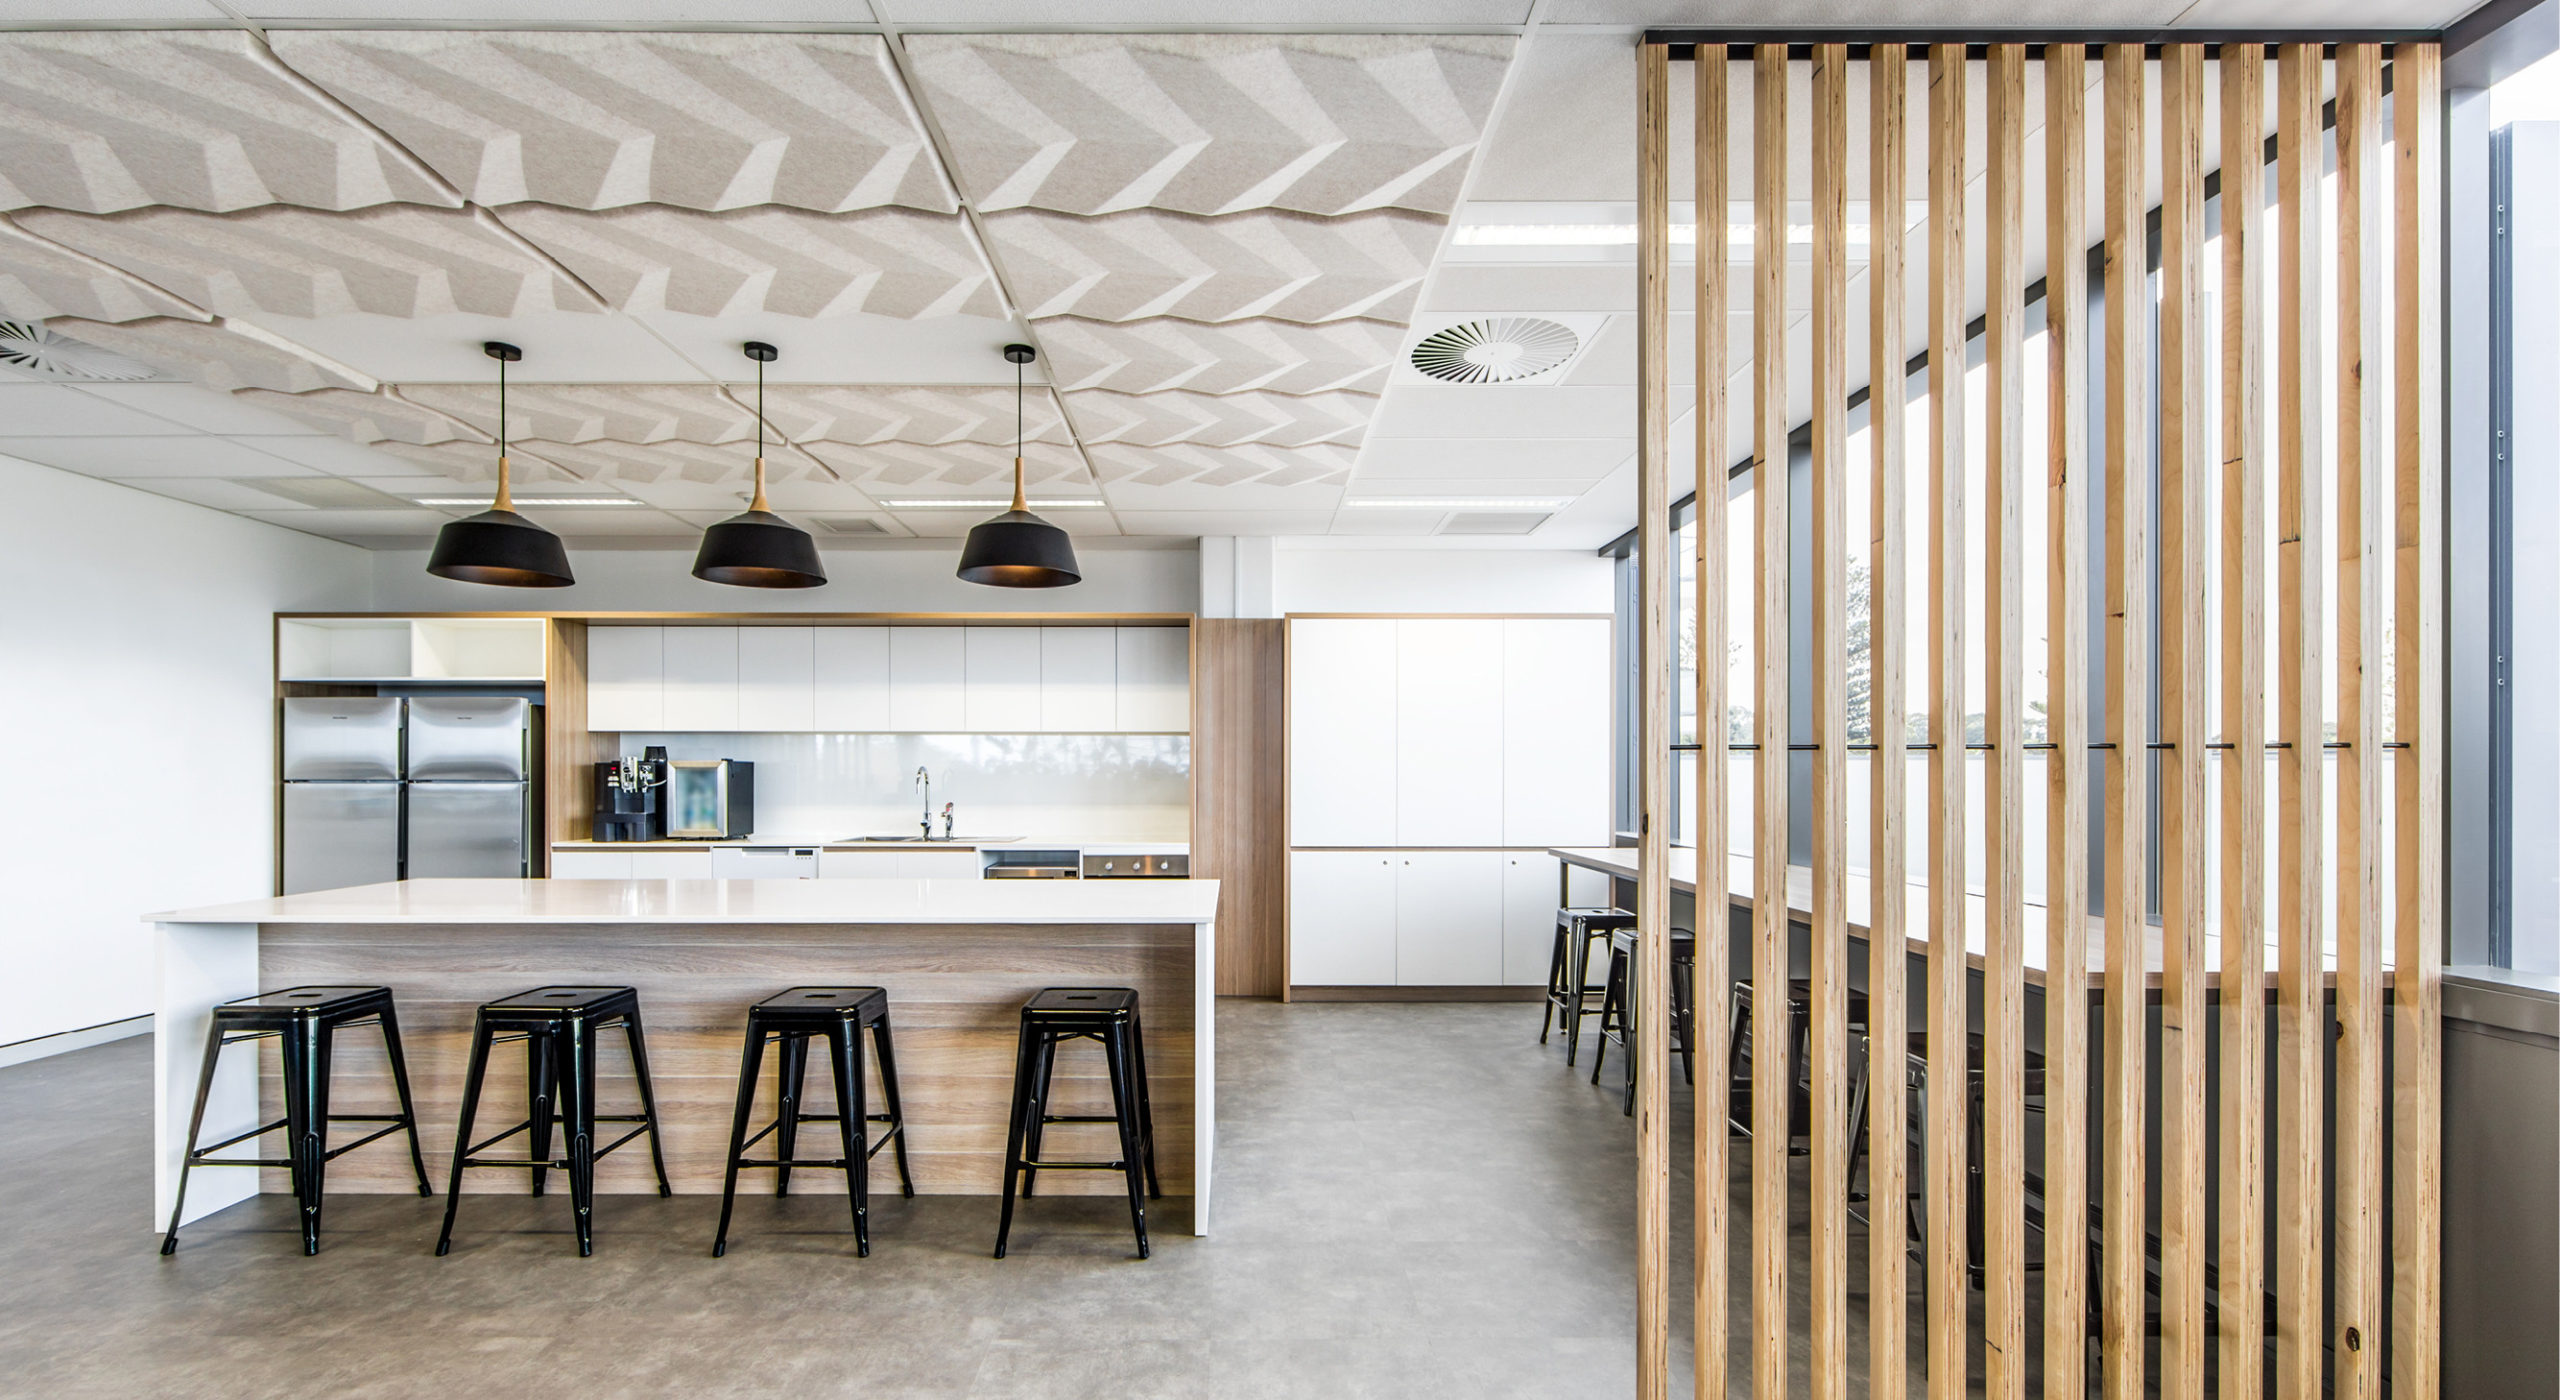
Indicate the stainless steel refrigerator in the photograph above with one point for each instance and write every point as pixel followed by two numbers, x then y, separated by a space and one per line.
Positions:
pixel 386 789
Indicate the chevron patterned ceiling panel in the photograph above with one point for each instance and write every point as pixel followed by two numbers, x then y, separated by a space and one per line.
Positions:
pixel 1211 123
pixel 602 120
pixel 1222 420
pixel 1290 267
pixel 100 121
pixel 1220 466
pixel 395 260
pixel 957 465
pixel 886 262
pixel 627 413
pixel 459 460
pixel 1144 357
pixel 375 418
pixel 38 280
pixel 216 356
pixel 672 461
pixel 859 415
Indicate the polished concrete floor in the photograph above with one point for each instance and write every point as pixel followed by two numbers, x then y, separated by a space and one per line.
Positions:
pixel 1414 1201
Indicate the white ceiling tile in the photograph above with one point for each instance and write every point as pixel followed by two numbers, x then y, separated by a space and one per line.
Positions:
pixel 855 349
pixel 402 524
pixel 340 457
pixel 1220 466
pixel 894 468
pixel 1211 123
pixel 205 410
pixel 1243 497
pixel 1347 14
pixel 858 414
pixel 224 356
pixel 376 417
pixel 1220 420
pixel 478 461
pixel 101 120
pixel 1489 458
pixel 1225 522
pixel 589 522
pixel 787 262
pixel 1934 14
pixel 601 120
pixel 39 280
pixel 1548 287
pixel 625 461
pixel 193 454
pixel 212 493
pixel 560 347
pixel 1465 487
pixel 58 410
pixel 589 13
pixel 1163 353
pixel 587 412
pixel 1505 410
pixel 1291 267
pixel 393 260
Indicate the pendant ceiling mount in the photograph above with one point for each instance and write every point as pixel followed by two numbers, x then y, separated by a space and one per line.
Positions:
pixel 498 546
pixel 757 548
pixel 1018 549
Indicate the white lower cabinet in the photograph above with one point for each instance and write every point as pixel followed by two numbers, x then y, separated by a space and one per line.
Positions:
pixel 631 865
pixel 671 865
pixel 1529 911
pixel 1342 918
pixel 764 863
pixel 1448 918
pixel 591 865
pixel 1400 918
pixel 894 864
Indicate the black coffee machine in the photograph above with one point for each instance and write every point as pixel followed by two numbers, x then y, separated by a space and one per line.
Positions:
pixel 630 797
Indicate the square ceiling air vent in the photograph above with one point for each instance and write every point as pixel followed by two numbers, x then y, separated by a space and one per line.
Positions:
pixel 850 524
pixel 1495 522
pixel 325 492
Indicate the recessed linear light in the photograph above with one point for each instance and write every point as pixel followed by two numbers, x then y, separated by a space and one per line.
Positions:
pixel 532 501
pixel 984 503
pixel 1440 503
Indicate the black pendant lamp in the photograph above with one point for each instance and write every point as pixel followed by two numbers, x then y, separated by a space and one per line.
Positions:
pixel 1018 549
pixel 759 549
pixel 497 545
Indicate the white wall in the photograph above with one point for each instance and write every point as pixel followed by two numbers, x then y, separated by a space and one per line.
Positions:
pixel 900 576
pixel 1308 576
pixel 136 644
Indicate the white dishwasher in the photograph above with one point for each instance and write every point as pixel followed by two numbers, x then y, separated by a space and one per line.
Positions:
pixel 764 862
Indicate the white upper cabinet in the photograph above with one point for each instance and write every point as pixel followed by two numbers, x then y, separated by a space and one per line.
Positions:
pixel 702 678
pixel 777 678
pixel 1555 732
pixel 1079 679
pixel 1002 688
pixel 1342 732
pixel 928 679
pixel 1154 680
pixel 626 679
pixel 851 666
pixel 1448 697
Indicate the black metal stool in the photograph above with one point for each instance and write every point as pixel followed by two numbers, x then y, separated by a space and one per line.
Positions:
pixel 1617 1001
pixel 1108 1015
pixel 1741 1044
pixel 305 1022
pixel 1569 970
pixel 558 1026
pixel 838 1015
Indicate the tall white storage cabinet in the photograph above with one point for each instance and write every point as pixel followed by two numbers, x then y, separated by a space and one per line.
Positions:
pixel 1432 762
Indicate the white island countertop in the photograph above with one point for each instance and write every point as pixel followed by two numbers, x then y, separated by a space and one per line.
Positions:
pixel 729 902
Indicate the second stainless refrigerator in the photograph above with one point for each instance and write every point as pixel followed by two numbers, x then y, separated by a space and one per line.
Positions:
pixel 382 789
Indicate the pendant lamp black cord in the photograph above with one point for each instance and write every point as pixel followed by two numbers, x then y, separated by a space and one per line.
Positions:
pixel 502 408
pixel 759 408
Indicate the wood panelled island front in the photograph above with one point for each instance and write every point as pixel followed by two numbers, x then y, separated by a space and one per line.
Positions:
pixel 957 957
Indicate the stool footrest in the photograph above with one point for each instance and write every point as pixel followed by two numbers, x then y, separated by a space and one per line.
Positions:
pixel 1076 1166
pixel 871 1147
pixel 1078 1118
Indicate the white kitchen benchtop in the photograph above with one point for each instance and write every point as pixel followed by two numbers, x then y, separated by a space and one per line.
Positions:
pixel 729 902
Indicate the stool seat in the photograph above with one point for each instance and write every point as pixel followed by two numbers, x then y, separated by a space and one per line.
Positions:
pixel 555 1002
pixel 824 1004
pixel 1568 998
pixel 289 1003
pixel 1069 1003
pixel 1108 1016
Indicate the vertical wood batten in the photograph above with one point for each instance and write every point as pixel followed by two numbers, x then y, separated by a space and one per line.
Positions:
pixel 2240 1264
pixel 1888 1015
pixel 1827 1041
pixel 2186 475
pixel 1945 1157
pixel 2066 1006
pixel 2417 721
pixel 1654 737
pixel 1771 1034
pixel 2301 1023
pixel 2128 726
pixel 2004 976
pixel 1713 973
pixel 2363 613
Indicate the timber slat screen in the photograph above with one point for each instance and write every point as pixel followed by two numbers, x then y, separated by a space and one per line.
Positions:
pixel 2148 605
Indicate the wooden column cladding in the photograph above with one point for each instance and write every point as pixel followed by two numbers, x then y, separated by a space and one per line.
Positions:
pixel 1944 1162
pixel 1656 661
pixel 1239 783
pixel 1827 1038
pixel 1888 1014
pixel 1772 1085
pixel 1711 1173
pixel 568 751
pixel 2302 1030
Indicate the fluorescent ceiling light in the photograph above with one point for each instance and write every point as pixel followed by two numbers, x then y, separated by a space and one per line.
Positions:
pixel 986 503
pixel 1439 503
pixel 530 501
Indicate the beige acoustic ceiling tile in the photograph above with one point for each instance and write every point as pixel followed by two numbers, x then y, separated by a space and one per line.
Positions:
pixel 604 461
pixel 39 280
pixel 1221 420
pixel 639 413
pixel 1291 267
pixel 1212 123
pixel 1122 463
pixel 860 414
pixel 217 355
pixel 368 418
pixel 599 120
pixel 889 468
pixel 395 260
pixel 477 462
pixel 100 121
pixel 886 262
pixel 1141 357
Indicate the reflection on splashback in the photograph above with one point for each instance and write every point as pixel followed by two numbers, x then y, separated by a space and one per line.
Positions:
pixel 1050 787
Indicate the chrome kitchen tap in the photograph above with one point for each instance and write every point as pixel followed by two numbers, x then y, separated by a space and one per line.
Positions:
pixel 925 780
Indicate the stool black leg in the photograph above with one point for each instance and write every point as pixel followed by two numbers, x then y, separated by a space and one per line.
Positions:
pixel 400 1081
pixel 1044 1069
pixel 1613 1013
pixel 844 1046
pixel 542 1100
pixel 648 1097
pixel 1555 983
pixel 750 1062
pixel 195 1129
pixel 880 1044
pixel 462 1136
pixel 1578 957
pixel 1023 1107
pixel 791 1066
pixel 578 1126
pixel 1124 1112
pixel 1684 1022
pixel 308 1043
pixel 1146 1110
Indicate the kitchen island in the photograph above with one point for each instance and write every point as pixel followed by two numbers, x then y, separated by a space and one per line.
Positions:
pixel 957 957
